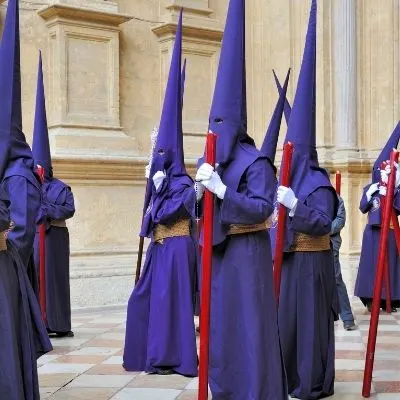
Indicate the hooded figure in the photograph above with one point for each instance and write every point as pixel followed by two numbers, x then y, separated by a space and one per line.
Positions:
pixel 160 334
pixel 308 302
pixel 370 203
pixel 245 354
pixel 20 180
pixel 23 336
pixel 57 206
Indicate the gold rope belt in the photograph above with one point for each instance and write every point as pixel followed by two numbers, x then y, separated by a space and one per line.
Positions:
pixel 304 242
pixel 3 241
pixel 179 228
pixel 59 223
pixel 237 229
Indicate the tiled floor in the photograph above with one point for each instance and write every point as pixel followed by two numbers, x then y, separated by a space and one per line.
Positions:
pixel 89 365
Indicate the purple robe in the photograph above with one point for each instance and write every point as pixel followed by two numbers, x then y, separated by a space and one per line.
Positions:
pixel 364 287
pixel 160 332
pixel 57 204
pixel 23 336
pixel 308 303
pixel 25 195
pixel 245 353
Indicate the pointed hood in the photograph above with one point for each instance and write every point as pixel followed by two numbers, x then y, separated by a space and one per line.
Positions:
pixel 306 175
pixel 288 107
pixel 271 137
pixel 10 86
pixel 391 144
pixel 301 130
pixel 168 152
pixel 41 145
pixel 228 115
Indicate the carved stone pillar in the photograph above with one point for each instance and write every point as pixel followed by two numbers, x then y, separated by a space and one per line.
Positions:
pixel 83 79
pixel 345 74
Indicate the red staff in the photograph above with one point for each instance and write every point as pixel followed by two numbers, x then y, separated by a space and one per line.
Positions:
pixel 387 273
pixel 208 224
pixel 338 182
pixel 42 258
pixel 383 244
pixel 280 232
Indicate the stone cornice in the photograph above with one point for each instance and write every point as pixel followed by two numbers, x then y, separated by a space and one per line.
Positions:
pixel 194 10
pixel 59 11
pixel 204 33
pixel 122 170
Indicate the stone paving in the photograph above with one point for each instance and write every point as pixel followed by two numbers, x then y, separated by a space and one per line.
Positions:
pixel 89 365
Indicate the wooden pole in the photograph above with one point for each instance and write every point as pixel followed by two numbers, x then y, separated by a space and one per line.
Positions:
pixel 208 224
pixel 383 244
pixel 42 259
pixel 338 182
pixel 280 232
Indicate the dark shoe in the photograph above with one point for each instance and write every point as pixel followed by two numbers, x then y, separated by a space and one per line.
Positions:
pixel 68 334
pixel 165 371
pixel 349 325
pixel 198 329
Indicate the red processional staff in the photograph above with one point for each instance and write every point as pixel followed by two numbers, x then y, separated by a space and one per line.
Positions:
pixel 338 187
pixel 383 245
pixel 386 270
pixel 208 224
pixel 280 231
pixel 394 221
pixel 42 258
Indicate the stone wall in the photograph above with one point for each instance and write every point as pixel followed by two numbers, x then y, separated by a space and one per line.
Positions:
pixel 106 63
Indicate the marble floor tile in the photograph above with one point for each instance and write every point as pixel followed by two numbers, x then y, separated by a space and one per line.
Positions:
pixel 147 394
pixel 101 381
pixel 58 368
pixel 94 351
pixel 84 394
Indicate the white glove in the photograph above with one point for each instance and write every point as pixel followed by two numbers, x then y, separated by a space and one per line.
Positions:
pixel 199 189
pixel 385 175
pixel 371 190
pixel 286 197
pixel 211 180
pixel 204 172
pixel 158 179
pixel 147 171
pixel 382 190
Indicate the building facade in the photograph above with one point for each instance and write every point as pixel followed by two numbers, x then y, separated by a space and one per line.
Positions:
pixel 106 63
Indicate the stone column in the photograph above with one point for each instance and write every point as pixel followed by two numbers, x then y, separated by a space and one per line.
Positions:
pixel 345 74
pixel 344 153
